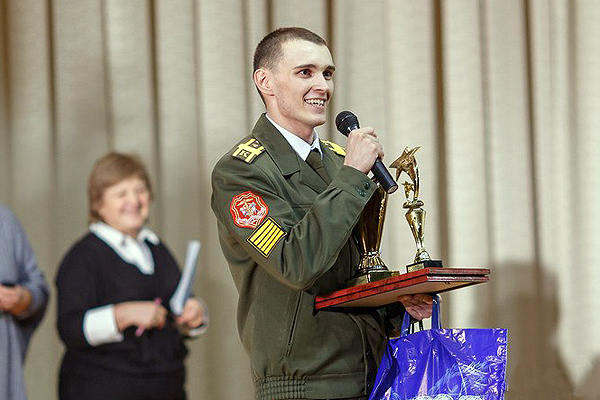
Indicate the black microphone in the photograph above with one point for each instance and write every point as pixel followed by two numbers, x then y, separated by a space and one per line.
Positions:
pixel 346 122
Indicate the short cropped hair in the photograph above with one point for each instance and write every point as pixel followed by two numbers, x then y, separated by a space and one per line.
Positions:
pixel 109 170
pixel 268 51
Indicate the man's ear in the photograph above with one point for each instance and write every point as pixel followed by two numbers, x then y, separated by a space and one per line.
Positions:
pixel 262 80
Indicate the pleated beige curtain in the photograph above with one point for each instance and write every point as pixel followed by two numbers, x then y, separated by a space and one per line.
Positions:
pixel 502 96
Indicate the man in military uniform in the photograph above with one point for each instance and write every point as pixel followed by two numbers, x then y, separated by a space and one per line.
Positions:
pixel 286 203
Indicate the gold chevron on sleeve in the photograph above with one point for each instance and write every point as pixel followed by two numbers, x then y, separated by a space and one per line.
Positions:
pixel 266 236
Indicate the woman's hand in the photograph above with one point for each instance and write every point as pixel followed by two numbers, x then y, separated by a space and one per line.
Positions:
pixel 192 315
pixel 14 300
pixel 147 314
pixel 418 305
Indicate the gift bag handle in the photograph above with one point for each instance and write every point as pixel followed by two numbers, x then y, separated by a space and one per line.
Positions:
pixel 435 318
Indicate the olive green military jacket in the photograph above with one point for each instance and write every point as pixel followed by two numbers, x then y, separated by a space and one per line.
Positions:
pixel 286 236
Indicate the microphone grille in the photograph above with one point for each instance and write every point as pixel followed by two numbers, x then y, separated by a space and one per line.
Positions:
pixel 346 121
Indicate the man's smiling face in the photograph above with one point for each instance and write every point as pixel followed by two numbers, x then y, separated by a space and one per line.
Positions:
pixel 302 85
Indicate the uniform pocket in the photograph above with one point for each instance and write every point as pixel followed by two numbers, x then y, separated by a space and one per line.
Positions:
pixel 293 324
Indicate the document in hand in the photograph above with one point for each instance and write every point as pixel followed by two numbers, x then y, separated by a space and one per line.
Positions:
pixel 183 291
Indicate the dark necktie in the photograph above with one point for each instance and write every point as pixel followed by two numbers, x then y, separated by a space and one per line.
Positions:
pixel 315 161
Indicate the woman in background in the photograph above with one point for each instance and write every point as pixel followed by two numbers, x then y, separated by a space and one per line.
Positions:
pixel 113 288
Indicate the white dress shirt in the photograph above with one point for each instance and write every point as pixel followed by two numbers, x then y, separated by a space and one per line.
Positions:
pixel 301 148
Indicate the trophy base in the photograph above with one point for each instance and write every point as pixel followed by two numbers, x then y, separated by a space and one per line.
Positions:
pixel 387 291
pixel 371 276
pixel 424 264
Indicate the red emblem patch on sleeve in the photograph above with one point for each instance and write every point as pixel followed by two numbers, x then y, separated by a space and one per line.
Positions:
pixel 248 210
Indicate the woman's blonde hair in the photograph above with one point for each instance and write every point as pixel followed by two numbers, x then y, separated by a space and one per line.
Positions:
pixel 109 170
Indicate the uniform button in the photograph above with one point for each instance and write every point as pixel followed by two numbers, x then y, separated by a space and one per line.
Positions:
pixel 367 185
pixel 362 193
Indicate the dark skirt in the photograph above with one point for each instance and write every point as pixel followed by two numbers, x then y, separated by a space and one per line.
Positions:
pixel 96 383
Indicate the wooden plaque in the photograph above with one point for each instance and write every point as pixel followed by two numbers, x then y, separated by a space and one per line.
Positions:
pixel 386 291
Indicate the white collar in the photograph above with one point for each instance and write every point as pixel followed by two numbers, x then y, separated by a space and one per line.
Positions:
pixel 301 148
pixel 132 251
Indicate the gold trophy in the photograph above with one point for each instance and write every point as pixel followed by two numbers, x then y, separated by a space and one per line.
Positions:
pixel 415 214
pixel 367 234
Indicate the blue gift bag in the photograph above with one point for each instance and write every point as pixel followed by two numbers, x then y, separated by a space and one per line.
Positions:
pixel 443 364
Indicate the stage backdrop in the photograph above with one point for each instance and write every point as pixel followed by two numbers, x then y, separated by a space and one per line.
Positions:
pixel 503 97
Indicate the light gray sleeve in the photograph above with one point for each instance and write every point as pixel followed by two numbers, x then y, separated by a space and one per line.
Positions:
pixel 30 276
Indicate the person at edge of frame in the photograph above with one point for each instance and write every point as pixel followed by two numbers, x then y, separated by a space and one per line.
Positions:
pixel 23 299
pixel 284 228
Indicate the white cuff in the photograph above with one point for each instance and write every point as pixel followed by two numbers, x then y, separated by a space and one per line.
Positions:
pixel 197 331
pixel 100 326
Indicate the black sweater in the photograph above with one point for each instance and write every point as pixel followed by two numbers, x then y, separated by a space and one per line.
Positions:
pixel 93 275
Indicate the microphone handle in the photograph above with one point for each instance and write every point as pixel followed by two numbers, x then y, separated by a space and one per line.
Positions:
pixel 384 177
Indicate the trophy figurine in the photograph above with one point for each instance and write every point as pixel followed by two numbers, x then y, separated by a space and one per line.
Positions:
pixel 367 235
pixel 415 214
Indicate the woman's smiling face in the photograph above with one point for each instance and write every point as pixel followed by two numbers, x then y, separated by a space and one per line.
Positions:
pixel 125 206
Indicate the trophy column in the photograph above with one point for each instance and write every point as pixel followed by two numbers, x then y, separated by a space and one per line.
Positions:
pixel 367 234
pixel 415 214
